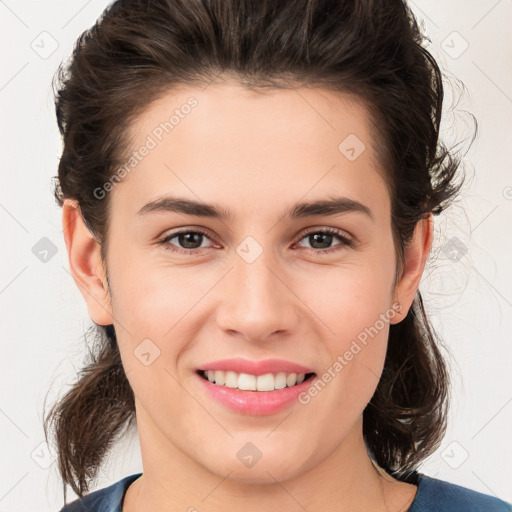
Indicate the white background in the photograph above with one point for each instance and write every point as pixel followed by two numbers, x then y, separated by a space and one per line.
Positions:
pixel 44 316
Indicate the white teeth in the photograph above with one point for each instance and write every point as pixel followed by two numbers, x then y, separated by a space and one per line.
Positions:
pixel 265 382
pixel 247 382
pixel 219 377
pixel 291 380
pixel 231 379
pixel 280 380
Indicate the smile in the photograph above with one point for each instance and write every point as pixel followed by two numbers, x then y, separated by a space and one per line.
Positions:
pixel 248 382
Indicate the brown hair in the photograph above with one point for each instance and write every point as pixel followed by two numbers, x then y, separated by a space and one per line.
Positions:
pixel 139 50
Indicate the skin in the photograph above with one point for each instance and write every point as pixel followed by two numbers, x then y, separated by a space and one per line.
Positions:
pixel 255 154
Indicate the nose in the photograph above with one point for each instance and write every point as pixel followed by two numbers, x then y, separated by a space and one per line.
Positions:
pixel 257 302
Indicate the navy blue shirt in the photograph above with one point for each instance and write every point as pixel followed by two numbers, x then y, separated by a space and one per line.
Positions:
pixel 433 495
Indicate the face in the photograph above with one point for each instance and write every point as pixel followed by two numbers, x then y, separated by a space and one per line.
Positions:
pixel 261 281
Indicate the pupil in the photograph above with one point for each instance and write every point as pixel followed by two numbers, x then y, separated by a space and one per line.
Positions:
pixel 316 236
pixel 188 238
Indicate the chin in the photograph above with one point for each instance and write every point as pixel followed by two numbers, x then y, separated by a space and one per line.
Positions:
pixel 280 466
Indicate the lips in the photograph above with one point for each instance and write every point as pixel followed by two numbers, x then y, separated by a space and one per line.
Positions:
pixel 255 388
pixel 239 365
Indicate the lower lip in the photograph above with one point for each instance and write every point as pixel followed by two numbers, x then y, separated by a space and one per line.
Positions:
pixel 255 402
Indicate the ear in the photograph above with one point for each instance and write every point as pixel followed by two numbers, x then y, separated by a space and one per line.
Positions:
pixel 415 257
pixel 85 263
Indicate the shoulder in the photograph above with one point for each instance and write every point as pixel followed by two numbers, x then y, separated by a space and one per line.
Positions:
pixel 441 496
pixel 108 499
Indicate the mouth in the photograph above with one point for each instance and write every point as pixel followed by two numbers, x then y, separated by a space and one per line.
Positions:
pixel 259 383
pixel 254 387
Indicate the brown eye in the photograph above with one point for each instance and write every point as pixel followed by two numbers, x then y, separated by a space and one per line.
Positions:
pixel 187 242
pixel 321 240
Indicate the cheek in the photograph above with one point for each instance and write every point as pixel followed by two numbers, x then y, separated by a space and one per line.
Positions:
pixel 355 305
pixel 353 355
pixel 352 298
pixel 147 305
pixel 358 348
pixel 152 299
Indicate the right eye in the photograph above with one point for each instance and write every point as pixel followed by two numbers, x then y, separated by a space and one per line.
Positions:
pixel 190 241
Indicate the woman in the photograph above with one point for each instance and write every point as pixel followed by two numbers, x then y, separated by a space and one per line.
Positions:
pixel 248 191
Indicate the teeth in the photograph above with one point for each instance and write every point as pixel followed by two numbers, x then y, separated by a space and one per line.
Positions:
pixel 245 381
pixel 219 378
pixel 265 382
pixel 280 380
pixel 293 379
pixel 231 379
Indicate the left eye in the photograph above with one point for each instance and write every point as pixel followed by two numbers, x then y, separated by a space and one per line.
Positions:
pixel 190 241
pixel 325 236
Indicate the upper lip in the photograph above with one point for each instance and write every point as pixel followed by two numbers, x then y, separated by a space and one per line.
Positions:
pixel 262 367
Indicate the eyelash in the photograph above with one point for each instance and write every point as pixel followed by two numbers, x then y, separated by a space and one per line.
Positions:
pixel 345 240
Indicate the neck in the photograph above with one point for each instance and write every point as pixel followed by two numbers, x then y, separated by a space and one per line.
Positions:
pixel 346 480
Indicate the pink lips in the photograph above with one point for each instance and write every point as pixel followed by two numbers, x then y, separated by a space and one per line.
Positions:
pixel 239 365
pixel 255 402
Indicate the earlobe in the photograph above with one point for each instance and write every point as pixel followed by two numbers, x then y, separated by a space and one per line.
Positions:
pixel 85 264
pixel 415 258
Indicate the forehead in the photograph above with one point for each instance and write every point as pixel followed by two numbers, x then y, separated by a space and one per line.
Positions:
pixel 271 117
pixel 226 141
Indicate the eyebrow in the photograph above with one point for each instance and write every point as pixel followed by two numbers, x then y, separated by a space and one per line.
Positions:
pixel 322 207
